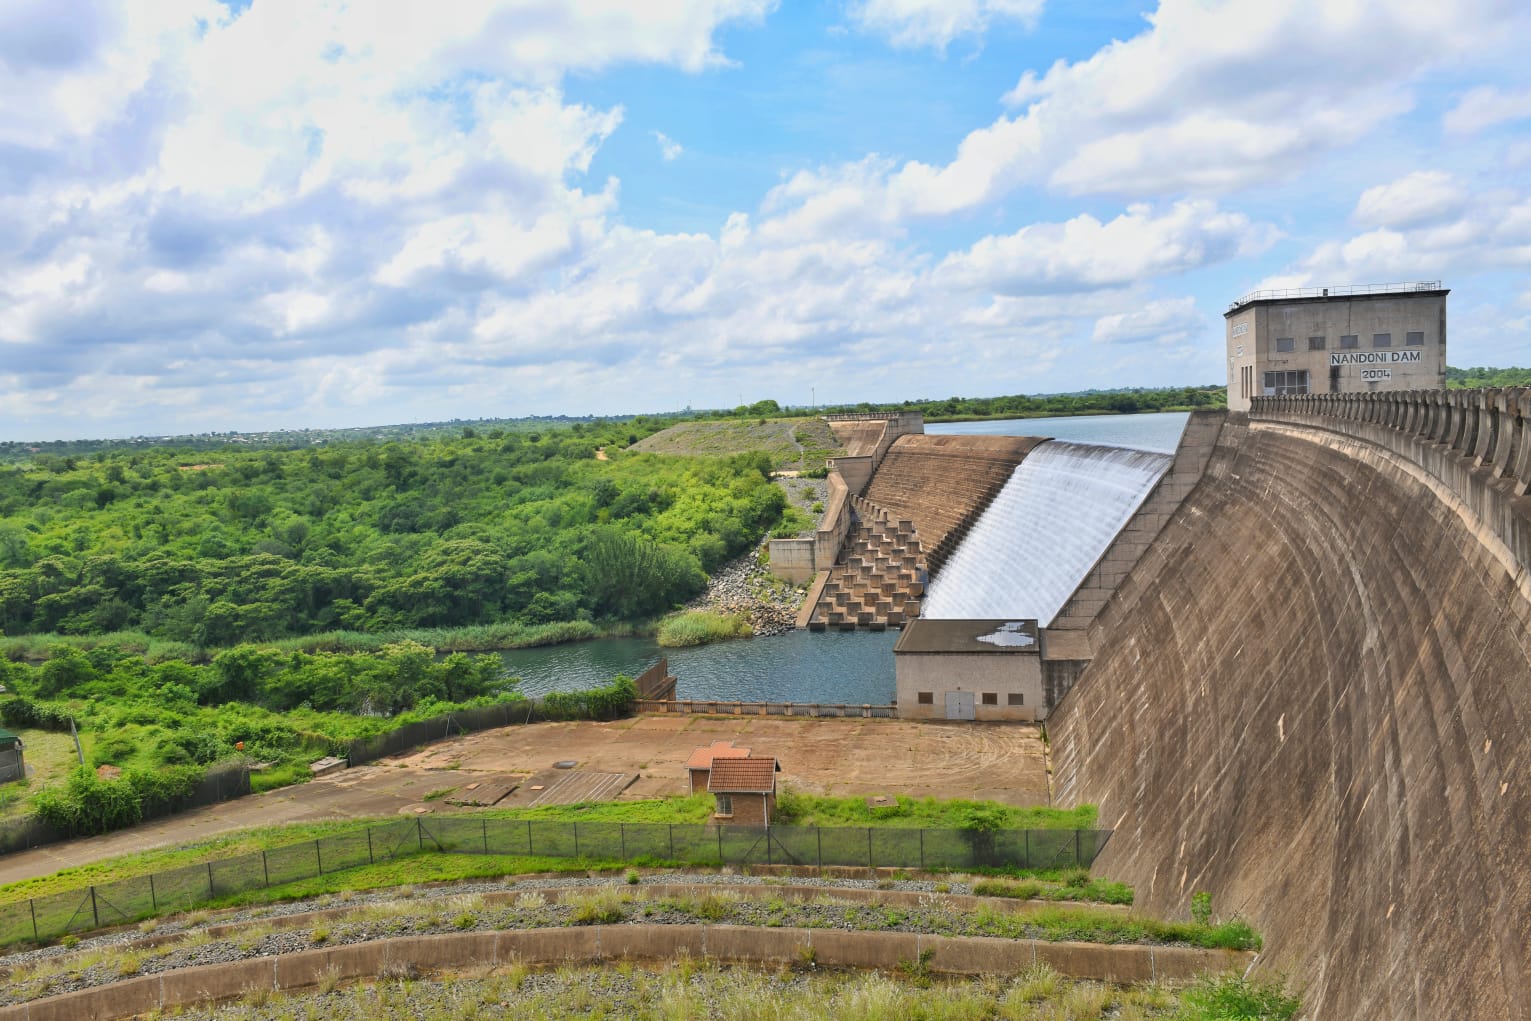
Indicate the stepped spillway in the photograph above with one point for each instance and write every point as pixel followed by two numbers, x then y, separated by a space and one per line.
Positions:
pixel 1044 531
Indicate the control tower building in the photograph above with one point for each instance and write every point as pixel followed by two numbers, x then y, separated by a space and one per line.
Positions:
pixel 1336 340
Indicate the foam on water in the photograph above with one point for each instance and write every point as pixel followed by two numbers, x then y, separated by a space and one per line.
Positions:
pixel 1044 531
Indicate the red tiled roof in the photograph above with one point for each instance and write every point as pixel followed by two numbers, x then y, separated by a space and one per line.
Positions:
pixel 743 776
pixel 702 757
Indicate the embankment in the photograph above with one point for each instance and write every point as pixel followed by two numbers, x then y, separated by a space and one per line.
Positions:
pixel 1312 699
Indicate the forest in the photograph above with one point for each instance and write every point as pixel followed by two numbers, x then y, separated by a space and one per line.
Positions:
pixel 214 548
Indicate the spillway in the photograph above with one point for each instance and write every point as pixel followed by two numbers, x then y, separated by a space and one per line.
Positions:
pixel 1044 531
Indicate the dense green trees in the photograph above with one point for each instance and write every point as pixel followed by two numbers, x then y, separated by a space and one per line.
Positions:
pixel 231 545
pixel 1456 379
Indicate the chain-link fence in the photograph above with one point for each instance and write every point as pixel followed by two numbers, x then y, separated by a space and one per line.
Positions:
pixel 220 783
pixel 128 900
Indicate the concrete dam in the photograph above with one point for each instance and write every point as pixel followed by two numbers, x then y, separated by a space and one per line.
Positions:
pixel 1298 679
pixel 1311 699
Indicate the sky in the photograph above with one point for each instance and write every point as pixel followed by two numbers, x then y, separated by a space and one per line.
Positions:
pixel 309 214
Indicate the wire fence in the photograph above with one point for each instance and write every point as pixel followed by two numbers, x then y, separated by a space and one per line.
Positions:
pixel 128 900
pixel 220 783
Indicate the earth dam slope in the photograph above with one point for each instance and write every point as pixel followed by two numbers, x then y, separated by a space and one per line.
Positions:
pixel 1312 699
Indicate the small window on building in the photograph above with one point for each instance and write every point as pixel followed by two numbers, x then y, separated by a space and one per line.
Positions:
pixel 1286 343
pixel 1334 379
pixel 1015 699
pixel 991 698
pixel 1317 343
pixel 725 804
pixel 1350 340
pixel 1414 338
pixel 1382 340
pixel 1280 384
pixel 926 698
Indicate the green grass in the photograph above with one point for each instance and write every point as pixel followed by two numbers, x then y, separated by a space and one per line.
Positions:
pixel 797 809
pixel 699 627
pixel 52 756
pixel 1100 891
pixel 701 989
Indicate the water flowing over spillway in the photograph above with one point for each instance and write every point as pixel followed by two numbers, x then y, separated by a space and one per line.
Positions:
pixel 1044 531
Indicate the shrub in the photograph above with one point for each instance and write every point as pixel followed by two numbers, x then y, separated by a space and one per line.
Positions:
pixel 1230 998
pixel 1201 907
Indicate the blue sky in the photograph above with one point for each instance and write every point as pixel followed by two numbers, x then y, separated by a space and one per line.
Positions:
pixel 304 213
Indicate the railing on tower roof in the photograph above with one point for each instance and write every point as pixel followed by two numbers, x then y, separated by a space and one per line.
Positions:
pixel 1336 292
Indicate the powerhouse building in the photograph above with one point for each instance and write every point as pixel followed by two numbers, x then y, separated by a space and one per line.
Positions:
pixel 1336 340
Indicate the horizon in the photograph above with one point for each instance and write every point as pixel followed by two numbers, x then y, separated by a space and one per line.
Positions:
pixel 255 212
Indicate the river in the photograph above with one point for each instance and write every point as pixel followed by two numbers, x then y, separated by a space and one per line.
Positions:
pixel 805 666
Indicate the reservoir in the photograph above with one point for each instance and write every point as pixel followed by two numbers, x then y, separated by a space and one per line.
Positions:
pixel 854 667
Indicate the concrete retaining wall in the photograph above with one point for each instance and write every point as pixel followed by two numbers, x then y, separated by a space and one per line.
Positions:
pixel 453 952
pixel 1312 699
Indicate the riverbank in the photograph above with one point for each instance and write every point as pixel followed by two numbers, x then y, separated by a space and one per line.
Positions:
pixel 743 588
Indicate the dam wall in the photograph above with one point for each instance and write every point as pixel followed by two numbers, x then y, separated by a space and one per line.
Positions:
pixel 1311 698
pixel 866 438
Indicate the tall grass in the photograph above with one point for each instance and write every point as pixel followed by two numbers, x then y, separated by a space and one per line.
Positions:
pixel 698 627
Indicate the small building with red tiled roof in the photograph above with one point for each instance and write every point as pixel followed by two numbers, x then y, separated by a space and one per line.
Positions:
pixel 745 789
pixel 700 763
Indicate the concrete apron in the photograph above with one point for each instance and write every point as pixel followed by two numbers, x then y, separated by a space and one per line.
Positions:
pixel 450 952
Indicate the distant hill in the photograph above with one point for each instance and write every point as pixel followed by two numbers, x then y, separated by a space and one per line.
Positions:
pixel 791 443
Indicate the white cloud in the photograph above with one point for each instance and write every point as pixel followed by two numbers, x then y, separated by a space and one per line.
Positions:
pixel 1424 196
pixel 1209 98
pixel 1085 253
pixel 1485 107
pixel 669 148
pixel 1418 236
pixel 1169 321
pixel 936 23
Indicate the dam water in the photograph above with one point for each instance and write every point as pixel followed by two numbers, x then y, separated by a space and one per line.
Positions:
pixel 1044 531
pixel 853 667
pixel 802 666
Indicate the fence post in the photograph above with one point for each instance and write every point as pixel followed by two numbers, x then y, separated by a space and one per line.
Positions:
pixel 528 838
pixel 211 890
pixel 922 849
pixel 318 858
pixel 94 911
pixel 818 832
pixel 869 848
pixel 486 834
pixel 153 900
pixel 370 860
pixel 33 905
pixel 622 834
pixel 265 870
pixel 419 834
pixel 576 840
pixel 719 830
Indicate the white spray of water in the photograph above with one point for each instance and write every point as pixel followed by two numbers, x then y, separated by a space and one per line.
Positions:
pixel 1044 531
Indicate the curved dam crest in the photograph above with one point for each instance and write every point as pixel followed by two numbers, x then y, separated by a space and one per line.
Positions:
pixel 1047 527
pixel 1312 699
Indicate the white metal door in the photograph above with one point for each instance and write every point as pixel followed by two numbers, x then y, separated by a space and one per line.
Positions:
pixel 959 706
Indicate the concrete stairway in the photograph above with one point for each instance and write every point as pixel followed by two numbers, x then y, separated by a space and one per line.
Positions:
pixel 880 575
